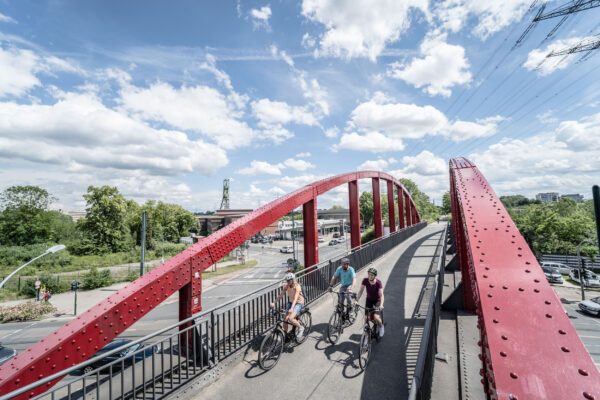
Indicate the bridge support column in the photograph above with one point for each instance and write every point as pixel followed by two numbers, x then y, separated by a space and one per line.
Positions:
pixel 391 206
pixel 354 210
pixel 311 237
pixel 408 209
pixel 401 207
pixel 377 208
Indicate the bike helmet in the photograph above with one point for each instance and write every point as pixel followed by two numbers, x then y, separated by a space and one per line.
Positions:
pixel 345 261
pixel 373 271
pixel 289 276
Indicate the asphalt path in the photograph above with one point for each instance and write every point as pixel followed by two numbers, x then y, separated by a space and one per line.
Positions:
pixel 588 329
pixel 271 268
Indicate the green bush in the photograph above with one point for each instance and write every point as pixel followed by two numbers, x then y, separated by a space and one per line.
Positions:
pixel 95 279
pixel 52 283
pixel 26 311
pixel 368 235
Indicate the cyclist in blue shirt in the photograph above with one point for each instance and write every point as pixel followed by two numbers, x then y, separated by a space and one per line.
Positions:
pixel 347 277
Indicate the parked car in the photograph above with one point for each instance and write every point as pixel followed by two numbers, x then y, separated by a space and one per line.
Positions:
pixel 590 279
pixel 6 354
pixel 552 274
pixel 128 361
pixel 286 249
pixel 591 306
pixel 341 239
pixel 336 235
pixel 333 242
pixel 321 239
pixel 562 268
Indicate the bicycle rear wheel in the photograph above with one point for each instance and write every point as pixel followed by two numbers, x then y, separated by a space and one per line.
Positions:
pixel 305 320
pixel 364 349
pixel 334 329
pixel 270 350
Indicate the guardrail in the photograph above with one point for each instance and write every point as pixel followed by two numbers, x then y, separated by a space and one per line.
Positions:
pixel 423 376
pixel 183 351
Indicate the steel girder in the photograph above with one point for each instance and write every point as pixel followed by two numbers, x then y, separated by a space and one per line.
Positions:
pixel 529 347
pixel 82 337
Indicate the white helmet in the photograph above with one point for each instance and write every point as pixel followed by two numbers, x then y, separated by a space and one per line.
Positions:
pixel 289 276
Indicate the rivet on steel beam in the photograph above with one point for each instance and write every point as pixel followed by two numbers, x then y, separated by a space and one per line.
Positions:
pixel 562 332
pixel 548 315
pixel 513 375
pixel 589 396
pixel 583 372
pixel 565 349
pixel 536 290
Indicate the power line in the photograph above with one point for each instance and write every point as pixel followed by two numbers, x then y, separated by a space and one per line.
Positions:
pixel 569 8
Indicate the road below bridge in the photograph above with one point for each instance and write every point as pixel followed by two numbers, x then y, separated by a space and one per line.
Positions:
pixel 318 370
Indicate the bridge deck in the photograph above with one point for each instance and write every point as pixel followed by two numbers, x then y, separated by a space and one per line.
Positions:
pixel 318 370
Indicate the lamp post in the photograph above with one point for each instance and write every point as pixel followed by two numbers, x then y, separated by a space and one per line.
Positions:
pixel 580 264
pixel 51 250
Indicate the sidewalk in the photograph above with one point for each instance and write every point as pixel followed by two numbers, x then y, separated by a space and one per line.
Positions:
pixel 86 299
pixel 318 370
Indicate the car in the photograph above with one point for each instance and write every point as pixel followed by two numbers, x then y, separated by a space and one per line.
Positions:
pixel 333 242
pixel 286 249
pixel 562 268
pixel 139 356
pixel 552 274
pixel 590 279
pixel 336 235
pixel 321 239
pixel 6 354
pixel 591 306
pixel 341 239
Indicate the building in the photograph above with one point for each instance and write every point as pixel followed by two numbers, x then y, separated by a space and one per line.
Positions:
pixel 575 197
pixel 549 197
pixel 334 213
pixel 209 223
pixel 324 226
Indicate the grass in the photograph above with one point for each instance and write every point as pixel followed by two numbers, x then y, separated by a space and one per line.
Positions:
pixel 226 270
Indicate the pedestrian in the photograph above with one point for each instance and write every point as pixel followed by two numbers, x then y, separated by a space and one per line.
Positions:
pixel 47 295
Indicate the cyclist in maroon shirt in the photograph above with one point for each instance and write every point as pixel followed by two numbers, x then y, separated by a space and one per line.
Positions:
pixel 375 299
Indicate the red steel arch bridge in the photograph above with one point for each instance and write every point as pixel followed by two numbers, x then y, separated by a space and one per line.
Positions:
pixel 528 349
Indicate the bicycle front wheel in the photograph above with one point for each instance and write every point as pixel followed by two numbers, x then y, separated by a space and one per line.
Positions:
pixel 334 329
pixel 353 314
pixel 271 349
pixel 364 349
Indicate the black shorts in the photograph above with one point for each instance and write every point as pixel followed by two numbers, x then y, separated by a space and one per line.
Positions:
pixel 372 303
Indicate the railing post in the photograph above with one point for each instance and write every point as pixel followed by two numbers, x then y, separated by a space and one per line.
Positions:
pixel 311 244
pixel 401 207
pixel 354 210
pixel 391 206
pixel 377 208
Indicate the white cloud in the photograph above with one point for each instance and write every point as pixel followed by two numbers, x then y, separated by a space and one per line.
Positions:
pixel 200 109
pixel 260 167
pixel 7 19
pixel 376 165
pixel 493 16
pixel 308 42
pixel 332 132
pixel 303 154
pixel 374 142
pixel 425 163
pixel 260 17
pixel 270 113
pixel 78 130
pixel 295 182
pixel 440 67
pixel 298 165
pixel 388 123
pixel 428 171
pixel 276 53
pixel 564 161
pixel 536 59
pixel 360 29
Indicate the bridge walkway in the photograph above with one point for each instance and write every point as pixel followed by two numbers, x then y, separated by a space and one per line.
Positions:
pixel 318 370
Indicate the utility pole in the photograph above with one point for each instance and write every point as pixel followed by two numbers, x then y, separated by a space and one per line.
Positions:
pixel 143 243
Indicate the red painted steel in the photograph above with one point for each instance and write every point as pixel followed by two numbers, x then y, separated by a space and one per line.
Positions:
pixel 401 212
pixel 377 208
pixel 391 206
pixel 408 210
pixel 79 339
pixel 354 210
pixel 311 235
pixel 529 348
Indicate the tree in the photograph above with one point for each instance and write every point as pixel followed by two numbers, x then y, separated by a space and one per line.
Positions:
pixel 366 208
pixel 24 218
pixel 104 224
pixel 446 204
pixel 427 210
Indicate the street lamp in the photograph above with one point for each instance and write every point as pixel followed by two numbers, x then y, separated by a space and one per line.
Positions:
pixel 51 250
pixel 579 263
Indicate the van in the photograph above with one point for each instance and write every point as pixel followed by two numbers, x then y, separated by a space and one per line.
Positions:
pixel 562 268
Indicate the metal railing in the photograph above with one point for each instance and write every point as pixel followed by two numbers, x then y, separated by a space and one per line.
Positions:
pixel 423 376
pixel 160 363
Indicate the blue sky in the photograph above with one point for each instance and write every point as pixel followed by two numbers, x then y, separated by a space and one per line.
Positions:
pixel 166 99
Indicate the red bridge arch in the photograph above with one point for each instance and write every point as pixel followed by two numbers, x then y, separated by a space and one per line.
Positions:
pixel 79 339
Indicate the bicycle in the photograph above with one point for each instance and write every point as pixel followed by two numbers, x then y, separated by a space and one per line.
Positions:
pixel 273 343
pixel 341 315
pixel 370 332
